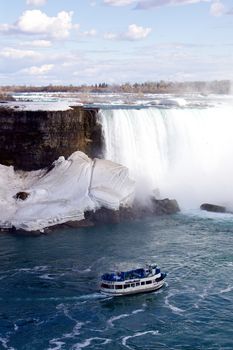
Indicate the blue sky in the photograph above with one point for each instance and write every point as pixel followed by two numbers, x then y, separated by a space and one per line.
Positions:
pixel 115 41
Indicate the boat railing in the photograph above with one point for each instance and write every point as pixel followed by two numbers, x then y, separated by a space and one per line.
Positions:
pixel 126 275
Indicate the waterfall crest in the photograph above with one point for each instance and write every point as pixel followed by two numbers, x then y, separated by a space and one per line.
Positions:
pixel 184 153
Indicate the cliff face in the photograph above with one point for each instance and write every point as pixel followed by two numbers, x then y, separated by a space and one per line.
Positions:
pixel 31 140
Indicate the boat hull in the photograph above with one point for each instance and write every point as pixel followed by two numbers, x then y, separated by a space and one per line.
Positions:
pixel 132 291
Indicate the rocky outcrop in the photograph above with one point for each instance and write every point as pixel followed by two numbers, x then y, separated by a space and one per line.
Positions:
pixel 165 206
pixel 22 195
pixel 213 208
pixel 31 140
pixel 136 211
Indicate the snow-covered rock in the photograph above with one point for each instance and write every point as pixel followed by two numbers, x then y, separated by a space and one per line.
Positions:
pixel 63 194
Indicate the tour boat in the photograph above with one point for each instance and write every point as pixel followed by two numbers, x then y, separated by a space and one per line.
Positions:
pixel 140 280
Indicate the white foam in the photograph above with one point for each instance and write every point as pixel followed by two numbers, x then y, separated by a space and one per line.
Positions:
pixel 111 321
pixel 112 99
pixel 226 290
pixel 58 344
pixel 137 311
pixel 138 334
pixel 46 276
pixel 66 312
pixel 93 296
pixel 34 269
pixel 82 271
pixel 173 308
pixel 174 102
pixel 75 331
pixel 4 342
pixel 206 290
pixel 88 341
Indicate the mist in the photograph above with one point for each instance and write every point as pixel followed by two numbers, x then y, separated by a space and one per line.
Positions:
pixel 185 154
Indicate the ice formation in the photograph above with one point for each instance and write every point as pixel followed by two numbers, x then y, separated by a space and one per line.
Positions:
pixel 62 194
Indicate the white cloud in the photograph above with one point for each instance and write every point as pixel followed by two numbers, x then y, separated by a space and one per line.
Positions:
pixel 134 33
pixel 217 9
pixel 41 70
pixel 148 4
pixel 5 28
pixel 110 36
pixel 89 33
pixel 41 43
pixel 119 2
pixel 12 53
pixel 36 2
pixel 160 62
pixel 76 26
pixel 36 43
pixel 37 22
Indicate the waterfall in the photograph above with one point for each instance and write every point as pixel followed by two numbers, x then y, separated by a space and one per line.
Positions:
pixel 184 153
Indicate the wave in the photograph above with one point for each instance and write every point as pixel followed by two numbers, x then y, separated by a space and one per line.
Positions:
pixel 88 341
pixel 138 334
pixel 110 322
pixel 4 342
pixel 172 307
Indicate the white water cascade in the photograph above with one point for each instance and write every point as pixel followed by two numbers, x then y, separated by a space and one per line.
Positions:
pixel 185 153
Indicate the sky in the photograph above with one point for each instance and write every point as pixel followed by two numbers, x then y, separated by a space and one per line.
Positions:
pixel 114 41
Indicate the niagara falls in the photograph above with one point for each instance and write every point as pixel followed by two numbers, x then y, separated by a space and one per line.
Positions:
pixel 184 153
pixel 116 175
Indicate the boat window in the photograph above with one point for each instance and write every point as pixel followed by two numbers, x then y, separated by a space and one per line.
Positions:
pixel 118 286
pixel 126 286
pixel 103 285
pixel 142 283
pixel 137 284
pixel 132 285
pixel 148 282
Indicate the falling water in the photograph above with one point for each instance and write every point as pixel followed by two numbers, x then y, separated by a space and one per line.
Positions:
pixel 184 153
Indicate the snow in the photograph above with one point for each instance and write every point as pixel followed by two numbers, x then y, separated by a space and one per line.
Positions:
pixel 62 194
pixel 40 106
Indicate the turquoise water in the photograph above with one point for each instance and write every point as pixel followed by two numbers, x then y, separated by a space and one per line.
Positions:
pixel 49 296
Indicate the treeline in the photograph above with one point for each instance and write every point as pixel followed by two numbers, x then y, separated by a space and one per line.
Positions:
pixel 216 86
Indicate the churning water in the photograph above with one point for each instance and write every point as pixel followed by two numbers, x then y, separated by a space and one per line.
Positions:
pixel 49 297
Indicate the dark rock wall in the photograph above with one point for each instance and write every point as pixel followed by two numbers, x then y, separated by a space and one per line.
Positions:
pixel 136 211
pixel 31 140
